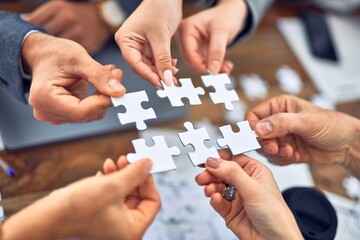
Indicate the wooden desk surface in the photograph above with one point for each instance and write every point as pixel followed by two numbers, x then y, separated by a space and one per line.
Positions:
pixel 42 169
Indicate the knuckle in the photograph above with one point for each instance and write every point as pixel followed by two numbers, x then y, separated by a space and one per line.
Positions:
pixel 163 59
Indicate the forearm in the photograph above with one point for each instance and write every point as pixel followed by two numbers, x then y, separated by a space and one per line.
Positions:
pixel 256 9
pixel 41 220
pixel 12 31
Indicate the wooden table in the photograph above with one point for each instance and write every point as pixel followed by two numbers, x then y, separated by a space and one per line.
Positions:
pixel 42 169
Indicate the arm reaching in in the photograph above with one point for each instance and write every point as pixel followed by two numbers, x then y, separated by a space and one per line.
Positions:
pixel 80 22
pixel 145 39
pixel 118 205
pixel 204 37
pixel 258 210
pixel 294 130
pixel 61 70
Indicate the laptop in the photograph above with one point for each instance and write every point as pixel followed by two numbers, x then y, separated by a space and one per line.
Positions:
pixel 19 129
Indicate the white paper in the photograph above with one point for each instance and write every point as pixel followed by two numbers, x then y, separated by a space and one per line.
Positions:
pixel 337 81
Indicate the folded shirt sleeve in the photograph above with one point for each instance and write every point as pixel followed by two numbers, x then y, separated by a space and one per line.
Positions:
pixel 12 32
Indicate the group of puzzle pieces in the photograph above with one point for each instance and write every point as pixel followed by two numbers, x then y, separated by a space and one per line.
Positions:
pixel 161 155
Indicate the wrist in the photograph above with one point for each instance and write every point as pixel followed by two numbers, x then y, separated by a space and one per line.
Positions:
pixel 32 46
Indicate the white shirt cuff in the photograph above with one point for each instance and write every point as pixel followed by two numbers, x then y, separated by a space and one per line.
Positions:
pixel 22 72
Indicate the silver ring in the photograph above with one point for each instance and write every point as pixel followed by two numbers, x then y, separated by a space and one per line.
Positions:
pixel 229 193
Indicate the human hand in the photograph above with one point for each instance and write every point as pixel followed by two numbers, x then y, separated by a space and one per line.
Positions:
pixel 294 130
pixel 203 37
pixel 120 205
pixel 258 210
pixel 61 70
pixel 145 39
pixel 79 22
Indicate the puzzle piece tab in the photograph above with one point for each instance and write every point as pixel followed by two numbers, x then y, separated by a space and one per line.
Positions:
pixel 239 142
pixel 186 90
pixel 221 94
pixel 196 138
pixel 159 153
pixel 134 111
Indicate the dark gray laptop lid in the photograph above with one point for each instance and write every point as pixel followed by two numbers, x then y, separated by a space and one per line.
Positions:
pixel 19 129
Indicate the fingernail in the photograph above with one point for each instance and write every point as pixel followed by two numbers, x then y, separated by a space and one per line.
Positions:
pixel 174 61
pixel 264 128
pixel 176 70
pixel 116 85
pixel 215 67
pixel 168 77
pixel 212 162
pixel 267 149
pixel 148 163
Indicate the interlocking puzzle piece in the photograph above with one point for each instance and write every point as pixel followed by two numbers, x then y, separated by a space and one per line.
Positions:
pixel 196 138
pixel 186 90
pixel 239 142
pixel 221 94
pixel 134 111
pixel 159 153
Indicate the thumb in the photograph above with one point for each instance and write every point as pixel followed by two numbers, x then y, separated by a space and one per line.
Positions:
pixel 230 172
pixel 99 76
pixel 217 48
pixel 131 177
pixel 163 60
pixel 281 124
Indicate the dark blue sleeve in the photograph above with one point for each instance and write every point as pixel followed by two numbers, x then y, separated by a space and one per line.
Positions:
pixel 129 5
pixel 12 31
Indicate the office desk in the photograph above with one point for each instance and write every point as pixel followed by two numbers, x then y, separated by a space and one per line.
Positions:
pixel 42 169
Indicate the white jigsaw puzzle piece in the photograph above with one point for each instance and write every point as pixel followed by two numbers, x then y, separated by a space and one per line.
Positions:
pixel 186 90
pixel 134 111
pixel 159 153
pixel 239 142
pixel 221 94
pixel 196 138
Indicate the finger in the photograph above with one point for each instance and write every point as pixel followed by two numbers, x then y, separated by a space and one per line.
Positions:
pixel 191 49
pixel 225 154
pixel 122 162
pixel 150 199
pixel 131 176
pixel 217 48
pixel 163 60
pixel 109 166
pixel 134 59
pixel 98 75
pixel 110 66
pixel 231 173
pixel 80 110
pixel 213 188
pixel 56 25
pixel 270 146
pixel 206 178
pixel 42 14
pixel 220 205
pixel 281 124
pixel 227 67
pixel 47 116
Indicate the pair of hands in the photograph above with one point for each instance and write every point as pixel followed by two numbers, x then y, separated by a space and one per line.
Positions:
pixel 119 205
pixel 258 210
pixel 294 130
pixel 145 41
